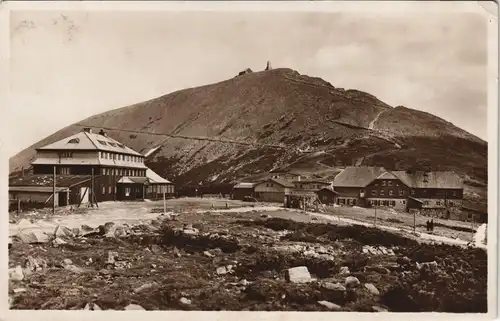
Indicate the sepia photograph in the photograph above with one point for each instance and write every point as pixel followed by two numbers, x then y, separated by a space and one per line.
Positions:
pixel 216 156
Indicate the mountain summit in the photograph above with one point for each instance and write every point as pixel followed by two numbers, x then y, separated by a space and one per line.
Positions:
pixel 278 118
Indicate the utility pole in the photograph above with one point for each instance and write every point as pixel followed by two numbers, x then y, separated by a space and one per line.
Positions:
pixel 472 229
pixel 414 221
pixel 164 200
pixel 54 192
pixel 92 190
pixel 375 223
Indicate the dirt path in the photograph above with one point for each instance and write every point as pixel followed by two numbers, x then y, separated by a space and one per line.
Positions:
pixel 372 123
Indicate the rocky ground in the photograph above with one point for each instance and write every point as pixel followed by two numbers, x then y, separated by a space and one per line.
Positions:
pixel 243 261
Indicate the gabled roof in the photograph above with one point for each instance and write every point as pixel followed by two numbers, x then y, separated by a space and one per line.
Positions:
pixel 357 176
pixel 90 141
pixel 47 180
pixel 133 180
pixel 155 178
pixel 435 179
pixel 327 190
pixel 387 175
pixel 306 181
pixel 278 181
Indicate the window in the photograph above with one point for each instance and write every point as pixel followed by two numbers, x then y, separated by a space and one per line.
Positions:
pixel 74 141
pixel 112 144
pixel 393 203
pixel 403 202
pixel 426 203
pixel 381 192
pixel 391 192
pixel 389 183
pixel 66 154
pixel 412 192
pixel 101 142
pixel 101 154
pixel 104 190
pixel 127 191
pixel 116 190
pixel 401 193
pixel 454 193
pixel 450 203
pixel 374 193
pixel 438 203
pixel 110 189
pixel 383 183
pixel 103 171
pixel 65 170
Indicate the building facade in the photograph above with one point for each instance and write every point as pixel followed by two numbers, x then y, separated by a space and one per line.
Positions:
pixel 116 171
pixel 273 190
pixel 377 187
pixel 242 190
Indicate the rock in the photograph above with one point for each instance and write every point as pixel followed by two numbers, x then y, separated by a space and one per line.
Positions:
pixel 379 309
pixel 92 307
pixel 24 223
pixel 299 274
pixel 177 252
pixel 373 290
pixel 32 237
pixel 155 249
pixel 74 269
pixel 384 250
pixel 76 231
pixel 87 228
pixel 16 274
pixel 109 227
pixel 208 254
pixel 132 307
pixel 221 270
pixel 330 305
pixel 351 281
pixel 11 301
pixel 59 241
pixel 429 266
pixel 334 286
pixel 63 232
pixel 33 264
pixel 344 271
pixel 244 282
pixel 264 215
pixel 185 301
pixel 19 290
pixel 111 257
pixel 143 287
pixel 378 269
pixel 67 262
pixel 403 260
pixel 191 231
pixel 119 232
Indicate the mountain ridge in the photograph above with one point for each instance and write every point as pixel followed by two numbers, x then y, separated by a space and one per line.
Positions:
pixel 335 126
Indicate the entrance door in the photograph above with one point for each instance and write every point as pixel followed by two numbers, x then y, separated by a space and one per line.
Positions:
pixel 84 192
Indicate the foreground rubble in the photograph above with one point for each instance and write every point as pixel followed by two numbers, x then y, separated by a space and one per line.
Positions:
pixel 242 261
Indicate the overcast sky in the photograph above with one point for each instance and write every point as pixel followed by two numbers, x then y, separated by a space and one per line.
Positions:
pixel 66 67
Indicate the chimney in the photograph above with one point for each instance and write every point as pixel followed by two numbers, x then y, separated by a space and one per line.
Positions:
pixel 87 130
pixel 102 133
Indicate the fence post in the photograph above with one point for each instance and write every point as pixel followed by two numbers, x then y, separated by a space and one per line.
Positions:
pixel 18 206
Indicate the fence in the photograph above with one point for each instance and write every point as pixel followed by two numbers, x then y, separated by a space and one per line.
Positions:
pixel 17 205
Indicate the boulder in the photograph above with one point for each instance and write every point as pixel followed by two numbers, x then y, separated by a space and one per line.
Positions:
pixel 35 264
pixel 184 301
pixel 208 254
pixel 67 262
pixel 330 305
pixel 299 274
pixel 16 274
pixel 351 281
pixel 377 268
pixel 143 287
pixel 344 271
pixel 32 237
pixel 373 290
pixel 63 232
pixel 334 286
pixel 74 269
pixel 111 257
pixel 132 307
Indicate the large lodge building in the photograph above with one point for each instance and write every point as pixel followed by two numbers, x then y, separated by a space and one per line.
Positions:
pixel 87 162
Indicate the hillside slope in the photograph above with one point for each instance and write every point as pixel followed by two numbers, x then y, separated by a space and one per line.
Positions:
pixel 280 107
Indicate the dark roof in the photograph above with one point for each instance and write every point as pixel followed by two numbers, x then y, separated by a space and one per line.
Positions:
pixel 37 189
pixel 327 190
pixel 312 181
pixel 435 179
pixel 357 176
pixel 279 181
pixel 47 180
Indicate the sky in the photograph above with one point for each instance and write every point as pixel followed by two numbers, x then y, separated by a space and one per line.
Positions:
pixel 67 66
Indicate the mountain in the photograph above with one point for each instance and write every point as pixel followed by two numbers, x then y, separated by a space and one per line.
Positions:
pixel 259 121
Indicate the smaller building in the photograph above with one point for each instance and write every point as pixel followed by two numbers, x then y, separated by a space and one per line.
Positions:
pixel 273 190
pixel 158 186
pixel 242 190
pixel 312 184
pixel 327 196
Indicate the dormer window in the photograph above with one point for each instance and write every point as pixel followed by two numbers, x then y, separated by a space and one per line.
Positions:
pixel 74 141
pixel 101 142
pixel 66 154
